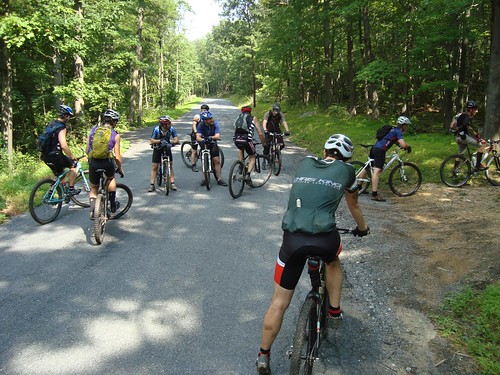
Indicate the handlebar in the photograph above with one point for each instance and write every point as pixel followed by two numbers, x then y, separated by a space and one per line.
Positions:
pixel 344 230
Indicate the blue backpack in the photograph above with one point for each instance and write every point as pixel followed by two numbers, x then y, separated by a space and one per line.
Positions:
pixel 44 141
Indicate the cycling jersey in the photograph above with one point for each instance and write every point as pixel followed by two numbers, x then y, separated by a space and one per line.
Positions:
pixel 208 131
pixel 274 122
pixel 160 134
pixel 316 192
pixel 391 138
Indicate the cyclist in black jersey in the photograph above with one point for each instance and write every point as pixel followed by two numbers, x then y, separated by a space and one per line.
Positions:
pixel 309 228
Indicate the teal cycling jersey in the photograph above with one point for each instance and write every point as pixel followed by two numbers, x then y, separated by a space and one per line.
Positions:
pixel 316 192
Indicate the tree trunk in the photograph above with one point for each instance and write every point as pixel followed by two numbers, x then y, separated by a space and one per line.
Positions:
pixel 6 74
pixel 56 59
pixel 328 52
pixel 350 66
pixel 492 117
pixel 79 102
pixel 135 115
pixel 161 69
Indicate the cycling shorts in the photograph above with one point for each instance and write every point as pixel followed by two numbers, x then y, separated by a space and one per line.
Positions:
pixel 295 250
pixel 379 157
pixel 194 142
pixel 57 161
pixel 156 159
pixel 107 164
pixel 462 143
pixel 246 145
pixel 214 149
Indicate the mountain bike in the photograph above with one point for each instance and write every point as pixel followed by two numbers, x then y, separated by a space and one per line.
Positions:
pixel 457 169
pixel 187 150
pixel 207 164
pixel 164 172
pixel 312 321
pixel 239 176
pixel 404 179
pixel 275 152
pixel 48 195
pixel 102 210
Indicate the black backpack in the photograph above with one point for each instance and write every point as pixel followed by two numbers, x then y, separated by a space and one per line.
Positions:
pixel 383 131
pixel 44 141
pixel 243 123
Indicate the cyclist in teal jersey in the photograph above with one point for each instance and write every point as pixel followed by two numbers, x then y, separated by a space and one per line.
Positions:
pixel 309 229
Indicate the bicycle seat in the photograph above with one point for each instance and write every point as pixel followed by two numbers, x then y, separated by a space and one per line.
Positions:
pixel 100 170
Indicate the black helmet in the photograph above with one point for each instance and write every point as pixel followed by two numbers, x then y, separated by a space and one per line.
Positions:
pixel 64 110
pixel 276 107
pixel 204 106
pixel 471 104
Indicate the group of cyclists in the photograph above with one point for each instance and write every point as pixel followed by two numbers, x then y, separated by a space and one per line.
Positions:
pixel 308 225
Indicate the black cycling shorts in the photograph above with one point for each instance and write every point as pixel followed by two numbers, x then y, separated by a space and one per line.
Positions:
pixel 295 250
pixel 107 164
pixel 57 161
pixel 379 157
pixel 156 159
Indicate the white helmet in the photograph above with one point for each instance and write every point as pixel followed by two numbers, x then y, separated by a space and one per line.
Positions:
pixel 342 144
pixel 403 120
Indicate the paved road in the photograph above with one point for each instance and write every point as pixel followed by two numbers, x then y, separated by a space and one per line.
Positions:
pixel 178 287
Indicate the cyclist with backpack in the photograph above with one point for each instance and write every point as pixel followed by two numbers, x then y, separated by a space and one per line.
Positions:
pixel 379 149
pixel 245 126
pixel 271 123
pixel 103 148
pixel 466 135
pixel 208 132
pixel 55 150
pixel 194 144
pixel 163 138
pixel 309 228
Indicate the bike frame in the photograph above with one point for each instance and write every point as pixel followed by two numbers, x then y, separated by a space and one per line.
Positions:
pixel 49 198
pixel 392 159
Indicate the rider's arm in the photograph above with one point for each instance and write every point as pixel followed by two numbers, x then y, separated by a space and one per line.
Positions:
pixel 285 124
pixel 401 142
pixel 116 152
pixel 61 137
pixel 259 130
pixel 199 137
pixel 353 206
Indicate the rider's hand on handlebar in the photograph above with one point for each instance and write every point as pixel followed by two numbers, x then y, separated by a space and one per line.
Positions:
pixel 163 143
pixel 356 232
pixel 408 149
pixel 120 172
pixel 287 134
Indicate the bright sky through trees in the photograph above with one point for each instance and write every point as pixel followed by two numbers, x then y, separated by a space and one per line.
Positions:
pixel 205 15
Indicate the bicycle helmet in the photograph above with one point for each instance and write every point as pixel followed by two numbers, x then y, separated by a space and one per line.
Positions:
pixel 471 104
pixel 206 115
pixel 64 110
pixel 403 120
pixel 112 114
pixel 246 109
pixel 276 107
pixel 204 106
pixel 165 120
pixel 341 144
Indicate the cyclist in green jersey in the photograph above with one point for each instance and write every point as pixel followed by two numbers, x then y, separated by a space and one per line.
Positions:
pixel 309 228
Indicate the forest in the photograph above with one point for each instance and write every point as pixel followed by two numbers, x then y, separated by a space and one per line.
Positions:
pixel 367 57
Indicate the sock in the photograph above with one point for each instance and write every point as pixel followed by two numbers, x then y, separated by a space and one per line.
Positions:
pixel 265 352
pixel 72 187
pixel 374 193
pixel 479 157
pixel 112 196
pixel 334 311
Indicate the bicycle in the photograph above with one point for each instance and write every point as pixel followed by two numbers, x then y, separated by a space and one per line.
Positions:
pixel 312 321
pixel 186 153
pixel 404 179
pixel 47 196
pixel 275 152
pixel 207 164
pixel 102 210
pixel 457 169
pixel 164 171
pixel 239 176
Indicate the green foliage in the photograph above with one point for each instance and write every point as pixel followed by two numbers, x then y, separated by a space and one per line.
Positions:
pixel 471 319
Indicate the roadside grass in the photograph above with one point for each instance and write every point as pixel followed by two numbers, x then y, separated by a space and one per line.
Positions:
pixel 470 319
pixel 25 170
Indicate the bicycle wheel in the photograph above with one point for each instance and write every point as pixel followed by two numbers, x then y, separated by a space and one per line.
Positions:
pixel 159 175
pixel 276 160
pixel 236 179
pixel 304 341
pixel 365 181
pixel 44 203
pixel 124 199
pixel 186 152
pixel 405 179
pixel 493 171
pixel 166 176
pixel 455 170
pixel 222 158
pixel 100 218
pixel 259 175
pixel 82 182
pixel 206 171
pixel 324 315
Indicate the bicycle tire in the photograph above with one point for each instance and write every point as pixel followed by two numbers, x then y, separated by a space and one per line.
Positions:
pixel 358 167
pixel 186 152
pixel 260 175
pixel 221 157
pixel 166 176
pixel 124 199
pixel 324 315
pixel 405 179
pixel 159 175
pixel 100 218
pixel 493 172
pixel 42 211
pixel 236 179
pixel 206 171
pixel 455 176
pixel 303 352
pixel 83 184
pixel 276 159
